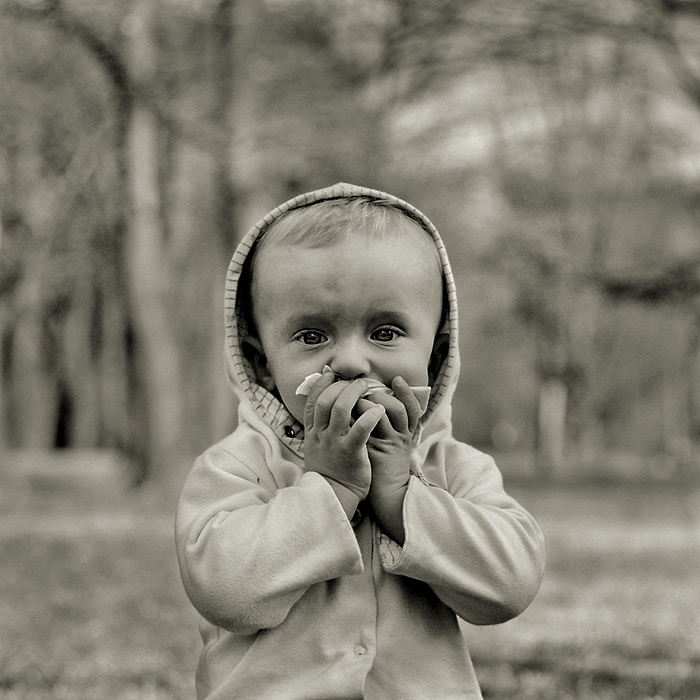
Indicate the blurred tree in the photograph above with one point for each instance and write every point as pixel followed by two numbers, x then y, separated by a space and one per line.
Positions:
pixel 580 146
pixel 672 27
pixel 131 165
pixel 148 255
pixel 134 349
pixel 53 172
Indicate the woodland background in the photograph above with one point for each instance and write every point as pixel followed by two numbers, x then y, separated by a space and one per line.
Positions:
pixel 556 146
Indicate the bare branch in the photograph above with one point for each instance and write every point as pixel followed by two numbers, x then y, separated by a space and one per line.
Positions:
pixel 126 89
pixel 663 32
pixel 30 10
pixel 677 282
pixel 687 6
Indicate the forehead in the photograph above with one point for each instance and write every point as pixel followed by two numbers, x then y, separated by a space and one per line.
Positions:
pixel 315 227
pixel 403 245
pixel 356 272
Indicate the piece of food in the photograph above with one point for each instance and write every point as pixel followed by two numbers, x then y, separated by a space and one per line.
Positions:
pixel 422 393
pixel 305 387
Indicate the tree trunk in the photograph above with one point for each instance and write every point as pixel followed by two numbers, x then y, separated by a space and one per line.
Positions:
pixel 148 268
pixel 691 373
pixel 32 393
pixel 31 389
pixel 551 426
pixel 222 36
pixel 80 372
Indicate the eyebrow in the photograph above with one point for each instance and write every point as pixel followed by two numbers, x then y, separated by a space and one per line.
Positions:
pixel 400 318
pixel 325 319
pixel 307 319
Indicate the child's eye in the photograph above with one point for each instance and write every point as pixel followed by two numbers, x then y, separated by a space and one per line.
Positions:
pixel 385 335
pixel 311 337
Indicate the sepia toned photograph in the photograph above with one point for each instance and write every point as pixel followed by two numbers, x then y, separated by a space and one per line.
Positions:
pixel 350 350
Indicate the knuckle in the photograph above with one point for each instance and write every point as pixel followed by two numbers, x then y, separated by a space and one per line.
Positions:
pixel 338 410
pixel 324 403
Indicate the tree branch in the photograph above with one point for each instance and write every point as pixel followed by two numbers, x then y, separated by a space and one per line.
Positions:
pixel 691 7
pixel 678 282
pixel 126 89
pixel 664 34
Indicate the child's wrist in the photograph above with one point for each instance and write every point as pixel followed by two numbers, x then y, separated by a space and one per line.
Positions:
pixel 348 499
pixel 388 510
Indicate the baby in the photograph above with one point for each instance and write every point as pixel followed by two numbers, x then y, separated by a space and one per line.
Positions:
pixel 333 539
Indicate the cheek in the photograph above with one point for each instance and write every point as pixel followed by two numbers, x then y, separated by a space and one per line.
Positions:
pixel 423 356
pixel 418 377
pixel 287 376
pixel 412 366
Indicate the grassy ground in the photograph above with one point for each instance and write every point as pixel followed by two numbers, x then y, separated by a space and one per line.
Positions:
pixel 91 604
pixel 618 614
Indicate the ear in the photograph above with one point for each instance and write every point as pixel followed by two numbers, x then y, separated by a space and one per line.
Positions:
pixel 253 352
pixel 438 355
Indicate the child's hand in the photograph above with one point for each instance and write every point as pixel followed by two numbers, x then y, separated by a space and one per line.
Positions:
pixel 389 448
pixel 336 433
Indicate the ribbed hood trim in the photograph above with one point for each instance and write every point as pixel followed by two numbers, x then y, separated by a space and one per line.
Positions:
pixel 241 374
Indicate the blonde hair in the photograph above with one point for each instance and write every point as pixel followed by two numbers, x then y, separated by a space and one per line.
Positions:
pixel 335 220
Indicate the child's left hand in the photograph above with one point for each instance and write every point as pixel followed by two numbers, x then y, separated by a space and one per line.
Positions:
pixel 389 448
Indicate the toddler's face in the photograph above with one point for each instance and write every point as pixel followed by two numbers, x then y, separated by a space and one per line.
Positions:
pixel 367 308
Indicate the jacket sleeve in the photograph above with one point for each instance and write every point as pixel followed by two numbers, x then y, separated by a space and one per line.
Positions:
pixel 480 551
pixel 248 552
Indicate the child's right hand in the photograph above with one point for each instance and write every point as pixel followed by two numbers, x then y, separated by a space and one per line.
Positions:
pixel 335 443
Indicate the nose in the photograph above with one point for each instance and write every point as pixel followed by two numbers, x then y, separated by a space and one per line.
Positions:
pixel 349 361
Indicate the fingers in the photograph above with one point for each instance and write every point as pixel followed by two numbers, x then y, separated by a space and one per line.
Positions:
pixel 371 415
pixel 331 402
pixel 403 409
pixel 326 379
pixel 394 418
pixel 340 417
pixel 334 405
pixel 404 393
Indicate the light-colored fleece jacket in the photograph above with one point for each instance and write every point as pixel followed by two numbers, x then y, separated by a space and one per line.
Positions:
pixel 299 603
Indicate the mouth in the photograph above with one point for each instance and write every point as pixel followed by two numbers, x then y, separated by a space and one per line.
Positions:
pixel 374 386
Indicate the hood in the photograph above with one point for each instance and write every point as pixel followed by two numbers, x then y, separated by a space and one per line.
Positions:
pixel 437 417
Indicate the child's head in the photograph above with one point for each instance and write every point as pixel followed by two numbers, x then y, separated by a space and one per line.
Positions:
pixel 353 283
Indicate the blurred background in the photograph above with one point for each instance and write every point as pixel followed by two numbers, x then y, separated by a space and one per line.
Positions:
pixel 556 146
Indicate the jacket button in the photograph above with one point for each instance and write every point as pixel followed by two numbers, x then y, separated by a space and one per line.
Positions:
pixel 360 649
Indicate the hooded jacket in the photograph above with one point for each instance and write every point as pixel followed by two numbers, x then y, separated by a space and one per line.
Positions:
pixel 298 602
